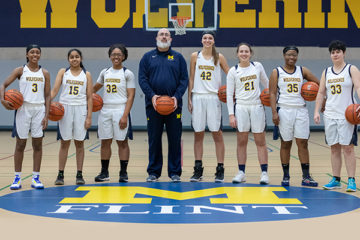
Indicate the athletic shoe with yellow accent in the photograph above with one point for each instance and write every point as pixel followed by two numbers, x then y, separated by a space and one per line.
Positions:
pixel 16 185
pixel 35 183
pixel 351 185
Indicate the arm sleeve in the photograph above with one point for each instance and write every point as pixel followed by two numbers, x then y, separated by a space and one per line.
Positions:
pixel 230 89
pixel 144 78
pixel 263 78
pixel 100 79
pixel 183 80
pixel 130 79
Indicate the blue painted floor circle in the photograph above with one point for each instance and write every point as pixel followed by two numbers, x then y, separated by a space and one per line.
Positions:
pixel 165 202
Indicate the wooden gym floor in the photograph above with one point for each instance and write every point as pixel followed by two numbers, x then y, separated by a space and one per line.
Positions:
pixel 21 226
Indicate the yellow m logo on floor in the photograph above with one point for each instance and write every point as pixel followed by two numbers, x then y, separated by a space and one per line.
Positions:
pixel 233 195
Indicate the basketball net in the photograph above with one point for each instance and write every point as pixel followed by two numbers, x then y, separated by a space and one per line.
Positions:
pixel 180 24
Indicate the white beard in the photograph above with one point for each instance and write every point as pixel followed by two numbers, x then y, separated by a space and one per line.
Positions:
pixel 161 44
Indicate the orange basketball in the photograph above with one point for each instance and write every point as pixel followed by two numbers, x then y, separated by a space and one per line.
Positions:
pixel 164 105
pixel 15 97
pixel 265 97
pixel 56 111
pixel 309 91
pixel 97 102
pixel 351 115
pixel 222 93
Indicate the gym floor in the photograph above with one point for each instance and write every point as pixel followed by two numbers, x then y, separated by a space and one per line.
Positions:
pixel 20 225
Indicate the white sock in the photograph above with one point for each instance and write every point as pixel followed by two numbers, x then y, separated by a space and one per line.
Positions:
pixel 36 174
pixel 18 174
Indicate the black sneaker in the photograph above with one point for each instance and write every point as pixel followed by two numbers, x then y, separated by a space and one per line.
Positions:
pixel 103 176
pixel 123 176
pixel 219 175
pixel 79 179
pixel 198 174
pixel 309 181
pixel 60 179
pixel 286 181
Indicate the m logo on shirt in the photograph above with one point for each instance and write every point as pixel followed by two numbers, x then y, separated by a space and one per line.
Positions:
pixel 170 57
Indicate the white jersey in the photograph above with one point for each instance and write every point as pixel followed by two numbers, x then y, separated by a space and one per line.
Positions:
pixel 74 88
pixel 245 83
pixel 289 87
pixel 207 77
pixel 116 82
pixel 339 92
pixel 32 85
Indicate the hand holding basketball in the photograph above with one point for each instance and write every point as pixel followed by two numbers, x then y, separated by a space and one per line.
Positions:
pixel 265 97
pixel 13 99
pixel 56 111
pixel 165 105
pixel 97 102
pixel 222 93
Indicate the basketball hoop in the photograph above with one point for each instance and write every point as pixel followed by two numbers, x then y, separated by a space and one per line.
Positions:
pixel 180 24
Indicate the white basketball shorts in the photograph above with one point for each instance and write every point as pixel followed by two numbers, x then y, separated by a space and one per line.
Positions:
pixel 250 117
pixel 338 131
pixel 294 122
pixel 28 118
pixel 206 112
pixel 108 123
pixel 72 125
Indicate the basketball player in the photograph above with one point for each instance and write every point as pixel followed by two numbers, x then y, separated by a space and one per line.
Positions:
pixel 163 71
pixel 204 104
pixel 290 114
pixel 243 81
pixel 34 83
pixel 114 119
pixel 76 97
pixel 337 84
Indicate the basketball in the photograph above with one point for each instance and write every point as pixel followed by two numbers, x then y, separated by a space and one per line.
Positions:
pixel 222 93
pixel 351 115
pixel 15 97
pixel 265 97
pixel 97 102
pixel 164 105
pixel 309 91
pixel 56 111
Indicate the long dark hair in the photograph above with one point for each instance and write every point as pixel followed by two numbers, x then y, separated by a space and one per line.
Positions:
pixel 79 52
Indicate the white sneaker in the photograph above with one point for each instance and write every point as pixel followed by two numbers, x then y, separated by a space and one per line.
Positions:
pixel 239 178
pixel 264 178
pixel 16 184
pixel 35 183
